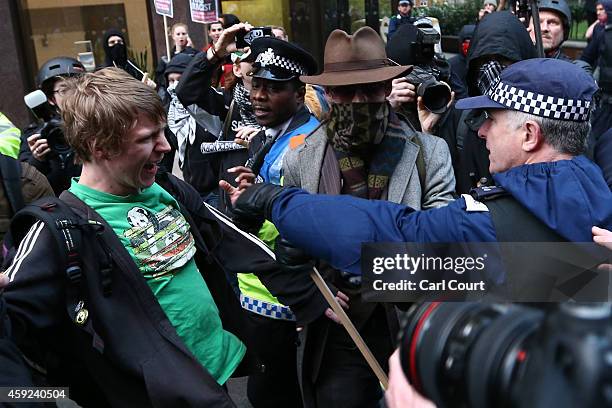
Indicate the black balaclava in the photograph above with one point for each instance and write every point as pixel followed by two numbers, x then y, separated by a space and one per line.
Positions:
pixel 116 53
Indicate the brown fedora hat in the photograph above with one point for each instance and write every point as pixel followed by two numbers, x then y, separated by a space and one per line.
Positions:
pixel 355 59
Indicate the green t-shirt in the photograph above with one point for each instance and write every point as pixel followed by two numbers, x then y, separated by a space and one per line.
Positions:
pixel 157 236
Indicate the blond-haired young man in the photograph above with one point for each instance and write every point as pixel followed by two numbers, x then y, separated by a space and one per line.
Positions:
pixel 163 326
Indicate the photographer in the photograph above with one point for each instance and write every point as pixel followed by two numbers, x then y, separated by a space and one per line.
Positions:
pixel 43 145
pixel 427 84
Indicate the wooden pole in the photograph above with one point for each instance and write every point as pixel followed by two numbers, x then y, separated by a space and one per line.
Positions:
pixel 350 328
pixel 167 39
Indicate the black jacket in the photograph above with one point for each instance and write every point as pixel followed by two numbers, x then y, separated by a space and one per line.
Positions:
pixel 14 370
pixel 194 88
pixel 128 353
pixel 458 64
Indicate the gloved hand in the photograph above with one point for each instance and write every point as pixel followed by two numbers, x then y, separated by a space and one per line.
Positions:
pixel 293 260
pixel 290 258
pixel 255 205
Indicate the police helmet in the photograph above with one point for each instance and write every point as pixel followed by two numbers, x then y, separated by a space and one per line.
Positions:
pixel 60 66
pixel 561 7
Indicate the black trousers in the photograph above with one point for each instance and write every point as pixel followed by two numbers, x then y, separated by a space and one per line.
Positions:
pixel 275 343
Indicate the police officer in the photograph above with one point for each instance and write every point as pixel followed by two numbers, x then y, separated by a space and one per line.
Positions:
pixel 599 53
pixel 404 16
pixel 535 131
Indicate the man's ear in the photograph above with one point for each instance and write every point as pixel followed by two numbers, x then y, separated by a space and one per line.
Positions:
pixel 533 137
pixel 97 153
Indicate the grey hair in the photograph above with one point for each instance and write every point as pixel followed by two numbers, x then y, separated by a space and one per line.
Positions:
pixel 565 136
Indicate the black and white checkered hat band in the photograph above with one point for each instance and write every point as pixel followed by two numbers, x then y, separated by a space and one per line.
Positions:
pixel 576 110
pixel 269 58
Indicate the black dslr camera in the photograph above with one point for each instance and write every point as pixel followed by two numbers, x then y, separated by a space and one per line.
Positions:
pixel 52 128
pixel 429 71
pixel 53 131
pixel 509 355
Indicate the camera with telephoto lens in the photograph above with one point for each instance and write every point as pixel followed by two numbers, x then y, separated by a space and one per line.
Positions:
pixel 427 75
pixel 509 355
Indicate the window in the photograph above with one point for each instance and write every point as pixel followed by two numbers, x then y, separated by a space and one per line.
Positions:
pixel 53 26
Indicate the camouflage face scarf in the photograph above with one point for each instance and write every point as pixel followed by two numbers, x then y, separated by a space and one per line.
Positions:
pixel 354 126
pixel 359 134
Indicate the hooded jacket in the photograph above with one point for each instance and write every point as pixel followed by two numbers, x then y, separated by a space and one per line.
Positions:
pixel 568 196
pixel 500 35
pixel 128 66
pixel 458 64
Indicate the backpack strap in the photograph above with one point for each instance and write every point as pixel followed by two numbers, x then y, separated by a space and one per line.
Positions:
pixel 64 226
pixel 94 228
pixel 67 229
pixel 11 181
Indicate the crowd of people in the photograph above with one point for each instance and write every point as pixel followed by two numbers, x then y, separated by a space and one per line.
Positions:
pixel 166 242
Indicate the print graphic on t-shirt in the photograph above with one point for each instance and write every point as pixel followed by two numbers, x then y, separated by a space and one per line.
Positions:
pixel 161 242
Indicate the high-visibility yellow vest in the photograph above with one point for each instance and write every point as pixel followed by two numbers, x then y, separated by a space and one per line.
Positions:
pixel 10 138
pixel 253 294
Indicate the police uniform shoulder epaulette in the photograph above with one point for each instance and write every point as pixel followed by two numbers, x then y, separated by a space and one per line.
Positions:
pixel 487 193
pixel 296 141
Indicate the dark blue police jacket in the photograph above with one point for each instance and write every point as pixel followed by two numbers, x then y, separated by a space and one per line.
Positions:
pixel 569 196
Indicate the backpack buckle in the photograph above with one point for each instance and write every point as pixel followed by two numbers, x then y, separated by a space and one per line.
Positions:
pixel 73 273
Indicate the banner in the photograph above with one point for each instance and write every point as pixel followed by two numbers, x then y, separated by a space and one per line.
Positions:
pixel 204 11
pixel 164 8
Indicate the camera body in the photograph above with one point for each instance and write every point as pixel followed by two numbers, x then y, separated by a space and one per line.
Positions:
pixel 427 74
pixel 53 131
pixel 245 38
pixel 52 127
pixel 509 355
